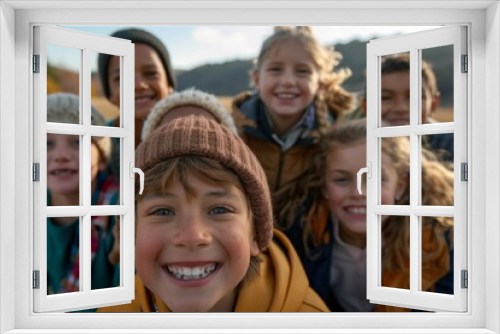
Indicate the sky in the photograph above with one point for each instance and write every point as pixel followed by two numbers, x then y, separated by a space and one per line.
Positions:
pixel 192 46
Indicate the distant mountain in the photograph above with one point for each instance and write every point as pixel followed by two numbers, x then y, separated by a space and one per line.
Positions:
pixel 230 78
pixel 226 79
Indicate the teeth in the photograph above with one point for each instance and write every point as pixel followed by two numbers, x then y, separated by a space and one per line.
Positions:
pixel 357 211
pixel 142 99
pixel 286 96
pixel 63 172
pixel 187 273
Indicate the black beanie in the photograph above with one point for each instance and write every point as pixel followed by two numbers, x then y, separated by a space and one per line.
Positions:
pixel 137 36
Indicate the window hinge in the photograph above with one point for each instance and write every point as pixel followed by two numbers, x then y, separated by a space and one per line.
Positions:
pixel 36 63
pixel 464 171
pixel 36 279
pixel 36 172
pixel 465 64
pixel 465 279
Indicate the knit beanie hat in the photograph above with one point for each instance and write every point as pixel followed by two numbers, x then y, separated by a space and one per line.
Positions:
pixel 191 97
pixel 196 135
pixel 136 36
pixel 64 108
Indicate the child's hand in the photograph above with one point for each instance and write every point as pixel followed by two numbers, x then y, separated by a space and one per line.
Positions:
pixel 114 255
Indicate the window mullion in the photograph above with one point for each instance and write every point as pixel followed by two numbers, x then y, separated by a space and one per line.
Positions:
pixel 85 167
pixel 414 170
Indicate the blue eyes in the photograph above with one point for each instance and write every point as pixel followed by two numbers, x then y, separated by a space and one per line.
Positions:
pixel 163 212
pixel 218 210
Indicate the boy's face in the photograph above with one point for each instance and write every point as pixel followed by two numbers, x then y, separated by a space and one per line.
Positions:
pixel 151 81
pixel 344 200
pixel 287 82
pixel 193 251
pixel 395 104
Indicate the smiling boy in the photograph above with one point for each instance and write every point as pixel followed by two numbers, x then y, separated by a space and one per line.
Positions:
pixel 395 101
pixel 204 240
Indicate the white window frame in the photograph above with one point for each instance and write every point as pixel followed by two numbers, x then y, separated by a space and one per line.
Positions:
pixel 85 43
pixel 483 20
pixel 414 44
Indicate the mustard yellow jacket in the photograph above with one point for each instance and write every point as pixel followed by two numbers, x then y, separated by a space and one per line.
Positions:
pixel 281 286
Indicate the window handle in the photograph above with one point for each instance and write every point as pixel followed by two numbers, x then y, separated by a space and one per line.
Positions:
pixel 368 171
pixel 133 170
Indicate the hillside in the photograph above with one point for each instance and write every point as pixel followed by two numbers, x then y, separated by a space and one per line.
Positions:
pixel 230 78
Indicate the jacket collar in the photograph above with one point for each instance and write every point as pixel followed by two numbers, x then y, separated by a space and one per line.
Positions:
pixel 256 122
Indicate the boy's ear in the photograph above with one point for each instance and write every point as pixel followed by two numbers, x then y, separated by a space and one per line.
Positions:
pixel 254 247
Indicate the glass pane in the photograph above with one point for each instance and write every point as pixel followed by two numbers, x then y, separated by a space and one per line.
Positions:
pixel 437 258
pixel 63 76
pixel 63 254
pixel 395 171
pixel 395 252
pixel 437 84
pixel 395 89
pixel 105 270
pixel 437 170
pixel 63 169
pixel 105 87
pixel 441 145
pixel 105 184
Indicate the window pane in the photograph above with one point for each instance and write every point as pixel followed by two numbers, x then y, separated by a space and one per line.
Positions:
pixel 63 169
pixel 105 182
pixel 437 84
pixel 105 269
pixel 437 259
pixel 395 89
pixel 63 254
pixel 395 252
pixel 105 87
pixel 63 76
pixel 442 146
pixel 437 170
pixel 395 171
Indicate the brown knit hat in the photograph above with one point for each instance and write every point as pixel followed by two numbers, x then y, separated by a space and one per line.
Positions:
pixel 196 135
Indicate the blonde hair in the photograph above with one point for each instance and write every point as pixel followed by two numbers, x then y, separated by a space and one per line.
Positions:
pixel 332 96
pixel 182 169
pixel 437 189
